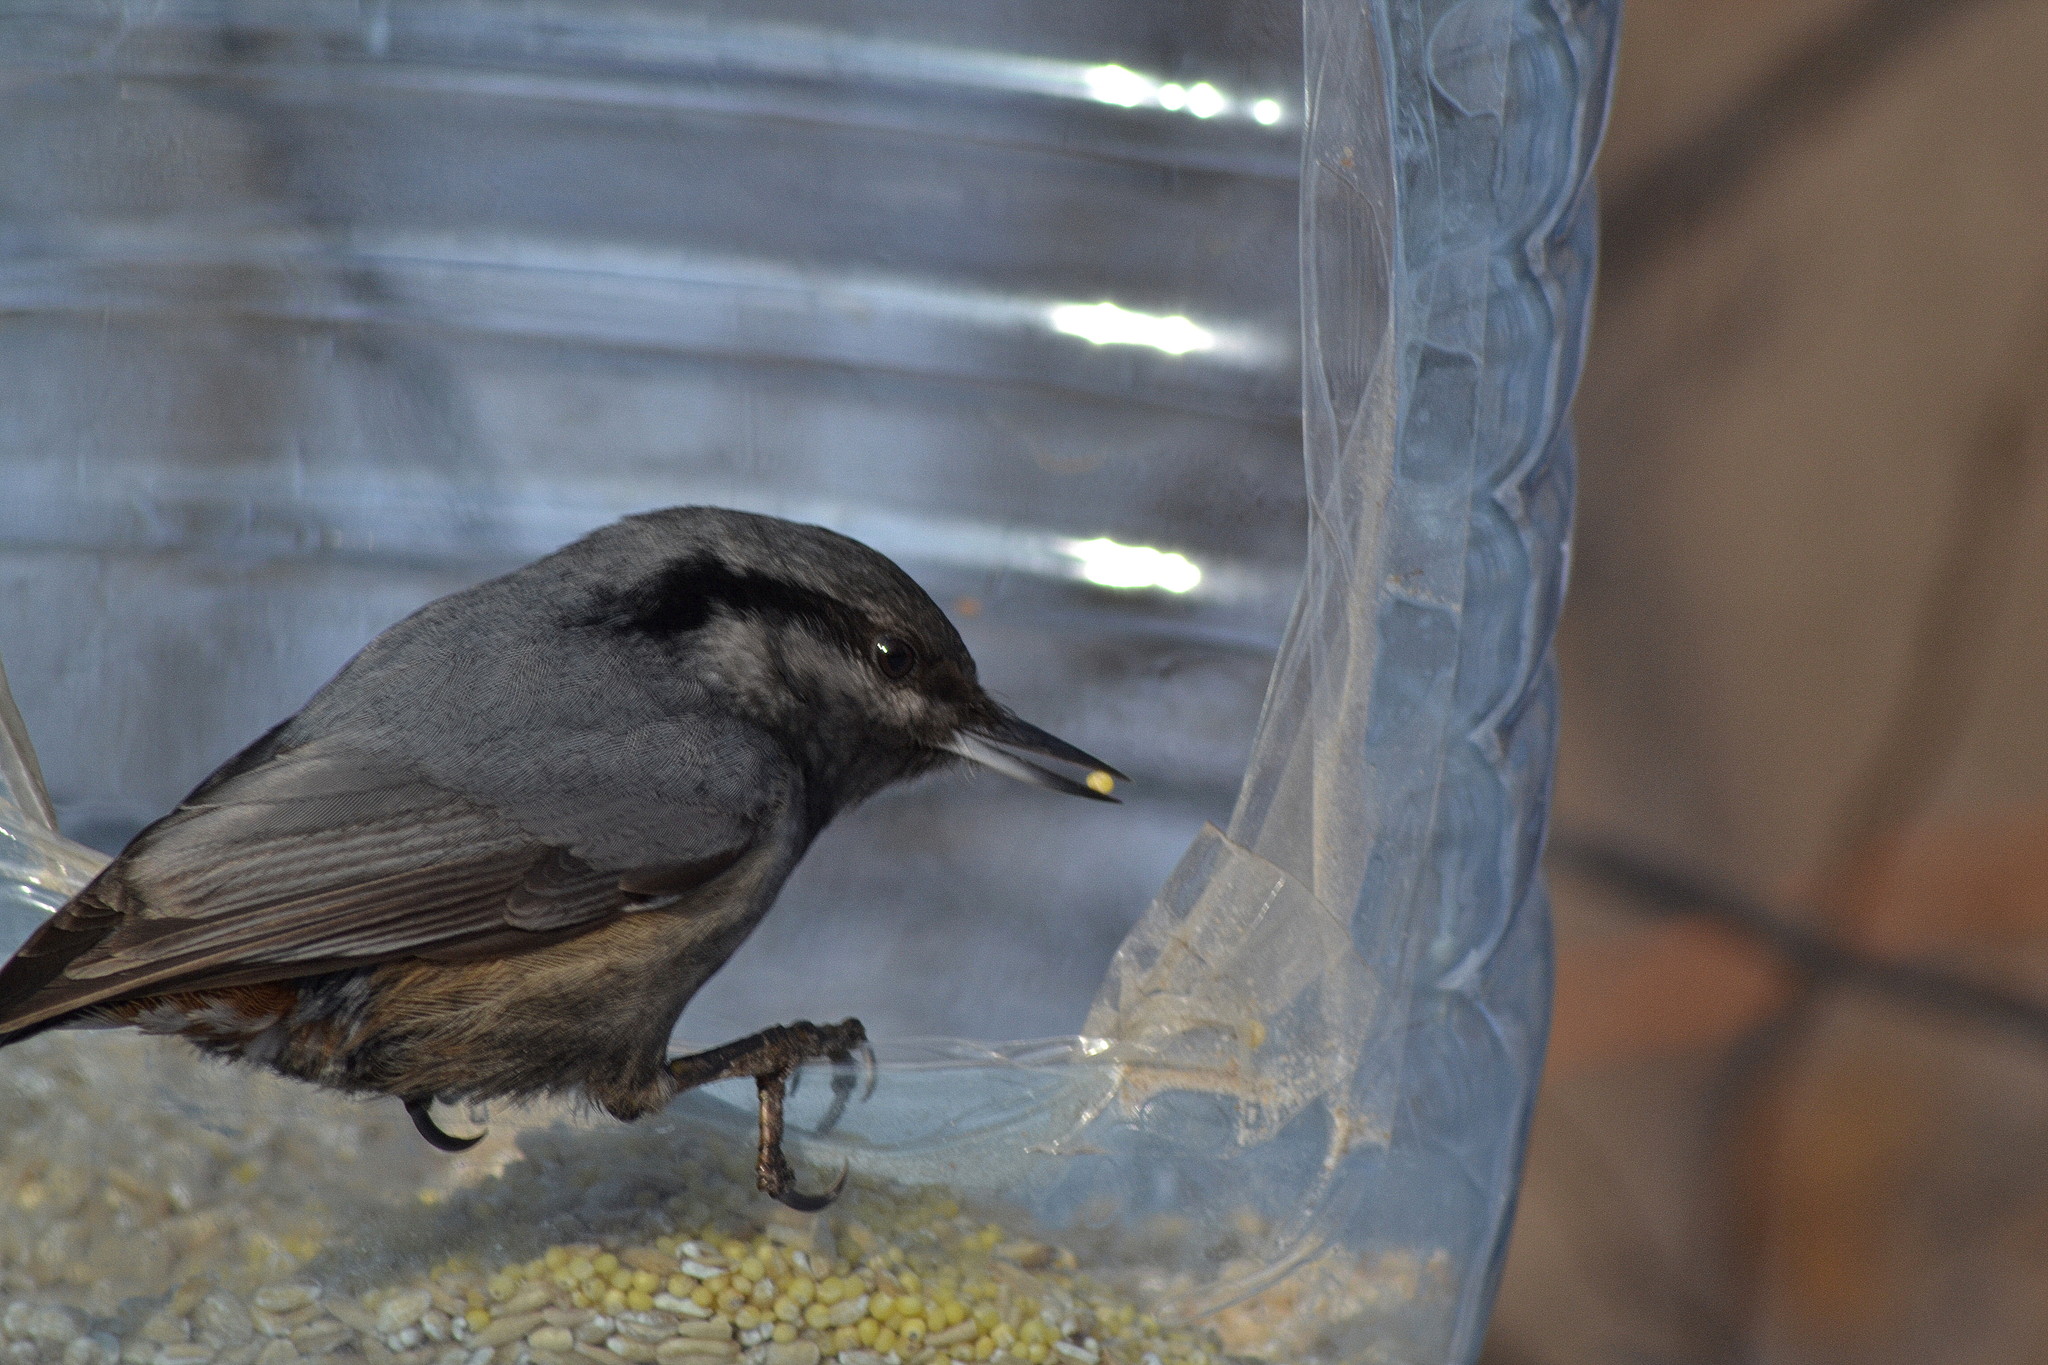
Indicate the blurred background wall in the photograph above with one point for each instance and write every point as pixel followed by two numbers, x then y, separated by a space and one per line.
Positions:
pixel 1797 1105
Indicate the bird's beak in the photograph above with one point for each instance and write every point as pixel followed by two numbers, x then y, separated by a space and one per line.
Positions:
pixel 990 742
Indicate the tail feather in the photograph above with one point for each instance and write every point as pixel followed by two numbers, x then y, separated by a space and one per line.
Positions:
pixel 28 1005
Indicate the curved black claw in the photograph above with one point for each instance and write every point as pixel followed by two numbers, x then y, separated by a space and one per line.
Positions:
pixel 417 1111
pixel 811 1203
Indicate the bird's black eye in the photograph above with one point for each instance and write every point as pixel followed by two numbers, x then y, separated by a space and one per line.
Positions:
pixel 894 657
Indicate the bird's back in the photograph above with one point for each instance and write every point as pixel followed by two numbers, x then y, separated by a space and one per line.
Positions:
pixel 479 782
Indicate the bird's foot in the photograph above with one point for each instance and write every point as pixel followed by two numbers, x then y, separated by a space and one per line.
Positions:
pixel 772 1057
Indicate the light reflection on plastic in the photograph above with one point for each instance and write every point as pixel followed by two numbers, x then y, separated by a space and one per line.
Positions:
pixel 1206 101
pixel 1107 564
pixel 1105 324
pixel 1127 89
pixel 1118 85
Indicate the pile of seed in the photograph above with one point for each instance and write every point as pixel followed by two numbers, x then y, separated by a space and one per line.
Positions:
pixel 932 1285
pixel 157 1209
pixel 785 1296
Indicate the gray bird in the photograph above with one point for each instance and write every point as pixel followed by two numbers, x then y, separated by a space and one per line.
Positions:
pixel 497 854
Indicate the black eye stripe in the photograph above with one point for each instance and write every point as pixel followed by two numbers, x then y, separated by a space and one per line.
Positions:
pixel 682 597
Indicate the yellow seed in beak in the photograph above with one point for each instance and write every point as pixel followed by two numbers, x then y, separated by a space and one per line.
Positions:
pixel 1101 782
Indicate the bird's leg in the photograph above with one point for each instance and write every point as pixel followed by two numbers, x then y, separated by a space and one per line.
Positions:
pixel 771 1167
pixel 770 1057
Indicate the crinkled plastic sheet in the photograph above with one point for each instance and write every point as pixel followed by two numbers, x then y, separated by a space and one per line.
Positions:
pixel 1361 962
pixel 1326 1030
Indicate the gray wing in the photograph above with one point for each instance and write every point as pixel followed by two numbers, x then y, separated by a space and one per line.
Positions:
pixel 315 858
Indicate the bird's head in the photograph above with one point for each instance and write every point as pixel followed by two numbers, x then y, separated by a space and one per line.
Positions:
pixel 827 645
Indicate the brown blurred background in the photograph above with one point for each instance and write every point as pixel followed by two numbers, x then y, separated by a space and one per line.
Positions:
pixel 1797 1104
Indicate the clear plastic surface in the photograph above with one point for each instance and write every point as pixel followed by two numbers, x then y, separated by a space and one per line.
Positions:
pixel 326 308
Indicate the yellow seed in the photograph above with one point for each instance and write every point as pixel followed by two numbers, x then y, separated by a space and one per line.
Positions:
pixel 556 1258
pixel 867 1331
pixel 764 1293
pixel 703 1297
pixel 881 1307
pixel 911 1283
pixel 752 1268
pixel 731 1302
pixel 733 1251
pixel 803 1289
pixel 830 1290
pixel 477 1318
pixel 646 1281
pixel 984 1347
pixel 579 1269
pixel 885 1341
pixel 845 1339
pixel 639 1300
pixel 741 1285
pixel 1036 1352
pixel 614 1300
pixel 682 1286
pixel 911 1330
pixel 620 1280
pixel 784 1332
pixel 746 1319
pixel 1005 1336
pixel 817 1317
pixel 580 1299
pixel 1101 783
pixel 956 1312
pixel 987 1317
pixel 605 1263
pixel 786 1309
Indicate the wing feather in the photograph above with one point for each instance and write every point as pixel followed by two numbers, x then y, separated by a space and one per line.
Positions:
pixel 320 858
